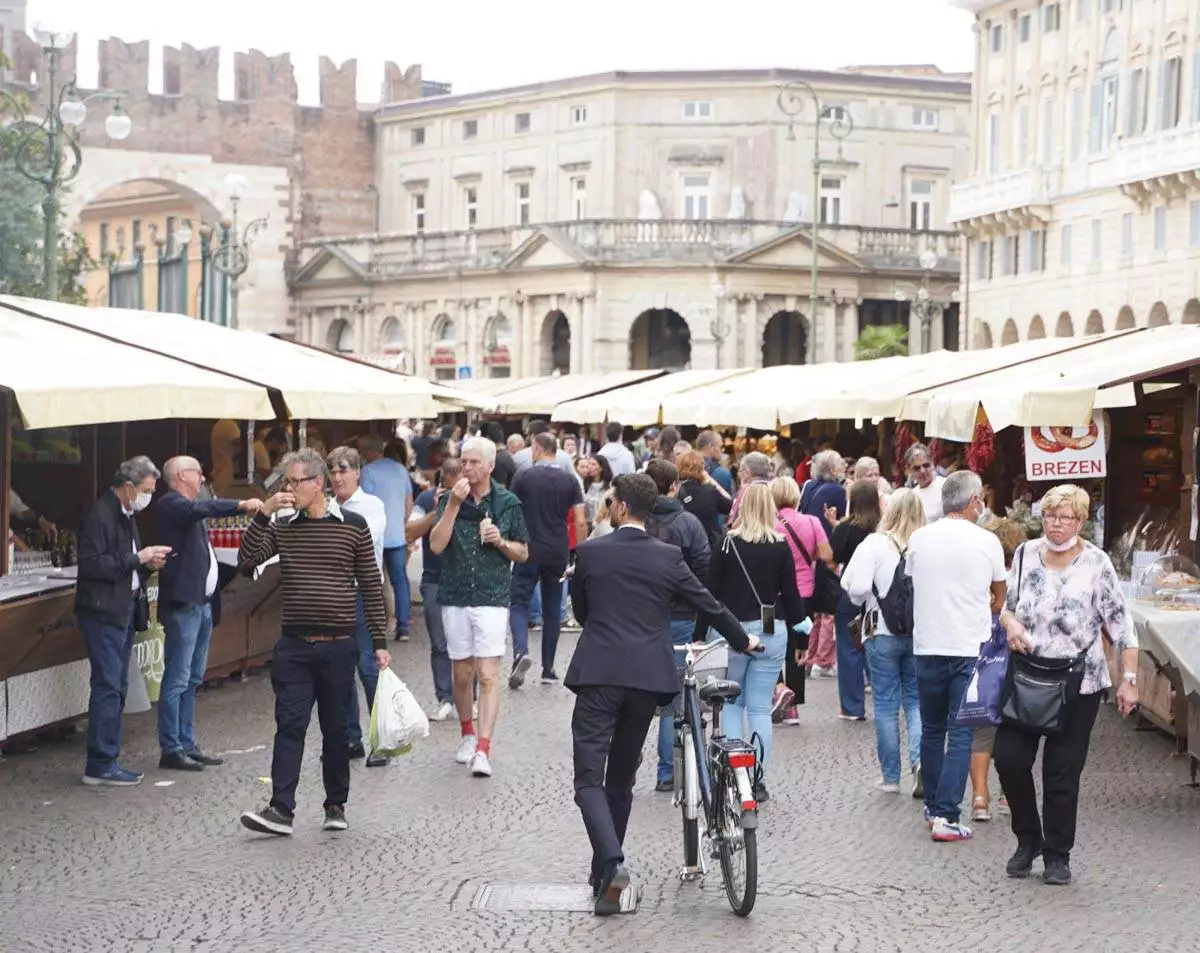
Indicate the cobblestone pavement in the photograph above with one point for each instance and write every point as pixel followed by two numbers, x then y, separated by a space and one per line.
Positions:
pixel 842 867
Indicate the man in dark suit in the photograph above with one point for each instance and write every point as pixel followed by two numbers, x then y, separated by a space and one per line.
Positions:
pixel 624 667
pixel 189 605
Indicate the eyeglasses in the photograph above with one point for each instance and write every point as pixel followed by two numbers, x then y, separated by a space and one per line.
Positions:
pixel 291 484
pixel 1059 518
pixel 927 465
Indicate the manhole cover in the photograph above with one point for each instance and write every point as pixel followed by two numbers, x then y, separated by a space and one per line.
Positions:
pixel 546 898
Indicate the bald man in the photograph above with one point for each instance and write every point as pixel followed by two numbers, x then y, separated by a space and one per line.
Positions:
pixel 189 604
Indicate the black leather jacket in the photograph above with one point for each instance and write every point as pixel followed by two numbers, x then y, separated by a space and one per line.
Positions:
pixel 108 545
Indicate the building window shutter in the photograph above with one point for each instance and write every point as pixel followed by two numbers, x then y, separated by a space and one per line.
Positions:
pixel 1095 118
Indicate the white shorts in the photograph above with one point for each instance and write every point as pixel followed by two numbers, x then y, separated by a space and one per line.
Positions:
pixel 475 631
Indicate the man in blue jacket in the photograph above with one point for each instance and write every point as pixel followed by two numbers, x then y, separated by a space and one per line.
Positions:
pixel 189 605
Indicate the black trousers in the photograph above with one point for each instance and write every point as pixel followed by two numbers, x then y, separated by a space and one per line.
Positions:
pixel 301 673
pixel 608 729
pixel 1063 759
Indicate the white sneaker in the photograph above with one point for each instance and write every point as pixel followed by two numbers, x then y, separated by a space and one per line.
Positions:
pixel 466 749
pixel 887 787
pixel 481 765
pixel 443 711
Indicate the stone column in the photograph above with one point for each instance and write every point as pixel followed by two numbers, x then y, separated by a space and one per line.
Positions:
pixel 751 334
pixel 587 351
pixel 360 331
pixel 579 328
pixel 470 323
pixel 849 329
pixel 520 344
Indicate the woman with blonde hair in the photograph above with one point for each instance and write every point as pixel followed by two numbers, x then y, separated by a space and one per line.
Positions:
pixel 752 572
pixel 867 578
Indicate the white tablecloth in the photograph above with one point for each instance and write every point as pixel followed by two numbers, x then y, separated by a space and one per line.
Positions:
pixel 1172 638
pixel 228 556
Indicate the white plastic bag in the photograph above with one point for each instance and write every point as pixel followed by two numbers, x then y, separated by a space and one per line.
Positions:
pixel 396 718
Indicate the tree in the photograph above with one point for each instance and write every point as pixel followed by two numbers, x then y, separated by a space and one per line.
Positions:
pixel 889 340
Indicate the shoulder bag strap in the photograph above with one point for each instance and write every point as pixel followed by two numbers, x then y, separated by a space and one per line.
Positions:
pixel 729 540
pixel 799 545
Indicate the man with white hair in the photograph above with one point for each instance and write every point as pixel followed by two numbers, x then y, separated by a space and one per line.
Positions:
pixel 958 577
pixel 480 533
pixel 515 443
pixel 189 605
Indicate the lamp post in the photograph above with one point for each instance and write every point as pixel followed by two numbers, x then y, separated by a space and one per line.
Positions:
pixel 232 255
pixel 792 97
pixel 719 326
pixel 922 303
pixel 48 152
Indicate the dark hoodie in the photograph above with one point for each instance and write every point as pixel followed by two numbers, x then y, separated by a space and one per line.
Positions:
pixel 671 523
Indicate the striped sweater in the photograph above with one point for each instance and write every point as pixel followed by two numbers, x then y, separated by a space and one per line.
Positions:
pixel 320 560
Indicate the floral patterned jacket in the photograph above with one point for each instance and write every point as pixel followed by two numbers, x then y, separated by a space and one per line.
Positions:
pixel 1065 610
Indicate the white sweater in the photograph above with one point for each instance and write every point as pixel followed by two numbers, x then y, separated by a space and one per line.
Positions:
pixel 874 562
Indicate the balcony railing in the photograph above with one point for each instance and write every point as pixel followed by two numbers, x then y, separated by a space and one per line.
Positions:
pixel 999 193
pixel 611 241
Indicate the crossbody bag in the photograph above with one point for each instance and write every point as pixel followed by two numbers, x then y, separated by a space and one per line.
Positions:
pixel 827 588
pixel 766 612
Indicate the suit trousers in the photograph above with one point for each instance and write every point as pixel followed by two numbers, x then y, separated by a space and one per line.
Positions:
pixel 608 728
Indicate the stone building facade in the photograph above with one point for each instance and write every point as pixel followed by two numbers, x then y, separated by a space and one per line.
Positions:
pixel 646 219
pixel 1082 209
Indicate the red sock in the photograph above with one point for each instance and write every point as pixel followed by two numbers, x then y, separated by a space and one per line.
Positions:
pixel 468 727
pixel 484 745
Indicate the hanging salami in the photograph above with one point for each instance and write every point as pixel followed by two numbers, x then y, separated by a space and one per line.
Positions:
pixel 982 451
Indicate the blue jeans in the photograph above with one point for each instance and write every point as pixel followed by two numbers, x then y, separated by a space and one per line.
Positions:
pixel 535 608
pixel 945 748
pixel 439 659
pixel 681 634
pixel 757 674
pixel 851 662
pixel 526 578
pixel 368 672
pixel 185 660
pixel 393 564
pixel 894 685
pixel 109 648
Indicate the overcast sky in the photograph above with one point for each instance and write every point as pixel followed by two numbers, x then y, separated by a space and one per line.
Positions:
pixel 482 44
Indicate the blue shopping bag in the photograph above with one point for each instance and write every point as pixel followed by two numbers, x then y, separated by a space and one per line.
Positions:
pixel 980 706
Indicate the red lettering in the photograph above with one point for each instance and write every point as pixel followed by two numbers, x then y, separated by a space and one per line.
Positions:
pixel 1065 468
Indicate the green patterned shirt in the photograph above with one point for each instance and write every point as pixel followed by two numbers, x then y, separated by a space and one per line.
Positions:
pixel 474 574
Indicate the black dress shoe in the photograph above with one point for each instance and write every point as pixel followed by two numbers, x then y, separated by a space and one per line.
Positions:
pixel 665 786
pixel 358 751
pixel 178 761
pixel 608 900
pixel 199 756
pixel 377 760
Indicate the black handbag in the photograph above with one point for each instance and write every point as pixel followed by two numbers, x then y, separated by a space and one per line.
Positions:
pixel 1039 692
pixel 827 588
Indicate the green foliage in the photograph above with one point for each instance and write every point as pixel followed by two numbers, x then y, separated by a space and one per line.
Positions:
pixel 889 340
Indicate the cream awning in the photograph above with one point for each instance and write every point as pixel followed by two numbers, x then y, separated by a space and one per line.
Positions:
pixel 540 395
pixel 1057 390
pixel 63 377
pixel 639 405
pixel 314 383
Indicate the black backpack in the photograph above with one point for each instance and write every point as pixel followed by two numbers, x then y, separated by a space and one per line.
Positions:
pixel 662 527
pixel 897 606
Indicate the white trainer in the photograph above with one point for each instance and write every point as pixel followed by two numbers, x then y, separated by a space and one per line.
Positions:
pixel 481 765
pixel 466 749
pixel 443 711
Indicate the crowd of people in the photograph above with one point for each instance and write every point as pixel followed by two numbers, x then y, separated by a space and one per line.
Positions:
pixel 810 565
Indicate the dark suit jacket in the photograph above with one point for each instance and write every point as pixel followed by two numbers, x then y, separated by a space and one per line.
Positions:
pixel 622 591
pixel 181 526
pixel 108 544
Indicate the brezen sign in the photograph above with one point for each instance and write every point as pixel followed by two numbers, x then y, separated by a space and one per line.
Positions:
pixel 1067 453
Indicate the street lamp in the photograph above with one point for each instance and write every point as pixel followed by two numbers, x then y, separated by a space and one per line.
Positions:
pixel 792 97
pixel 719 326
pixel 922 303
pixel 40 146
pixel 232 255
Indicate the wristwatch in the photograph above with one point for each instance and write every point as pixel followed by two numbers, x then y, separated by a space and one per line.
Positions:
pixel 1131 678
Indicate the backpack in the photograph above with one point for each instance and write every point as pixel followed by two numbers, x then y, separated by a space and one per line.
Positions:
pixel 897 606
pixel 663 527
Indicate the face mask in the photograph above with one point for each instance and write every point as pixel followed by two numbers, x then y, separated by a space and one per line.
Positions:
pixel 140 502
pixel 1061 547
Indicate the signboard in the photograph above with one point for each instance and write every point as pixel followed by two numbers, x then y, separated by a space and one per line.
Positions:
pixel 464 373
pixel 1067 453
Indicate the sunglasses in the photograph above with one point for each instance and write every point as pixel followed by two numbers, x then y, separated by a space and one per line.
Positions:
pixel 922 466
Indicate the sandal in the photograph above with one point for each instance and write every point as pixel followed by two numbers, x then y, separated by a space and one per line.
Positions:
pixel 980 812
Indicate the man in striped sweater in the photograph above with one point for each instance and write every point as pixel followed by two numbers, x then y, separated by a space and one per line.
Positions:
pixel 323 550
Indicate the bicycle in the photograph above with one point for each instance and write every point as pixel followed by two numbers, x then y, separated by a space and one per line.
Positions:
pixel 717 776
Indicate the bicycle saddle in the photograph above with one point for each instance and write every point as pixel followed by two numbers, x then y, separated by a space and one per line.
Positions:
pixel 720 688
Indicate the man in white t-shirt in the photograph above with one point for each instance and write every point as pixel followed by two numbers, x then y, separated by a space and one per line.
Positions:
pixel 926 481
pixel 958 575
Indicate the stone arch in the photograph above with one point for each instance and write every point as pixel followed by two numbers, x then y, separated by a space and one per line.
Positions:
pixel 785 339
pixel 340 337
pixel 444 348
pixel 1159 316
pixel 1191 312
pixel 1095 323
pixel 1037 328
pixel 211 203
pixel 1010 334
pixel 556 344
pixel 983 336
pixel 1125 319
pixel 1065 327
pixel 660 338
pixel 391 336
pixel 497 345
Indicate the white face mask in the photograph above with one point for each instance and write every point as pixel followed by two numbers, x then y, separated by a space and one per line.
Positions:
pixel 1061 547
pixel 140 502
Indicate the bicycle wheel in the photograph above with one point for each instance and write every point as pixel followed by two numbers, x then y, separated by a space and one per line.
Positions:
pixel 738 849
pixel 685 766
